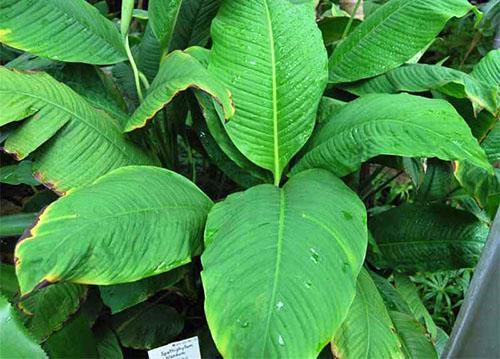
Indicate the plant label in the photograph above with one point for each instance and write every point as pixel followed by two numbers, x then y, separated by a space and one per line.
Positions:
pixel 184 349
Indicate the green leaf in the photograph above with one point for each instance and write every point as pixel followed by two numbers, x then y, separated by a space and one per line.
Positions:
pixel 144 220
pixel 74 340
pixel 491 144
pixel 415 344
pixel 402 125
pixel 439 181
pixel 193 23
pixel 18 174
pixel 308 242
pixel 392 298
pixel 427 238
pixel 8 281
pixel 216 129
pixel 147 325
pixel 441 340
pixel 96 87
pixel 178 72
pixel 332 28
pixel 122 296
pixel 50 307
pixel 71 31
pixel 367 331
pixel 409 292
pixel 423 77
pixel 488 69
pixel 219 147
pixel 108 345
pixel 163 17
pixel 15 224
pixel 276 76
pixel 80 143
pixel 148 55
pixel 391 36
pixel 16 342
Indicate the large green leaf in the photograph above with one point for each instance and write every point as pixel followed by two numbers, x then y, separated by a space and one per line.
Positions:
pixel 427 238
pixel 147 325
pixel 48 308
pixel 367 332
pixel 72 31
pixel 392 35
pixel 415 344
pixel 277 260
pixel 14 224
pixel 276 76
pixel 402 125
pixel 16 342
pixel 108 345
pixel 178 72
pixel 80 143
pixel 423 77
pixel 144 220
pixel 122 296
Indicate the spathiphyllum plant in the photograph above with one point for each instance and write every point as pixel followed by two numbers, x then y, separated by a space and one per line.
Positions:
pixel 266 175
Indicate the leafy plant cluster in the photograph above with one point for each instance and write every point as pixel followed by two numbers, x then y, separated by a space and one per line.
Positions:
pixel 272 176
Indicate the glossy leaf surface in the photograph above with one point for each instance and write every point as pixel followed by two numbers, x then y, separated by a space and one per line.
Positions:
pixel 308 242
pixel 145 220
pixel 276 76
pixel 80 143
pixel 71 31
pixel 402 125
pixel 392 35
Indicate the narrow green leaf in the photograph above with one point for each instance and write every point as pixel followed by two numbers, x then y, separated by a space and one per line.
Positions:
pixel 409 292
pixel 16 342
pixel 147 325
pixel 193 23
pixel 423 77
pixel 427 238
pixel 415 344
pixel 71 31
pixel 308 242
pixel 367 332
pixel 276 76
pixel 122 296
pixel 15 224
pixel 392 35
pixel 178 72
pixel 392 298
pixel 80 143
pixel 145 220
pixel 8 281
pixel 402 125
pixel 163 17
pixel 20 173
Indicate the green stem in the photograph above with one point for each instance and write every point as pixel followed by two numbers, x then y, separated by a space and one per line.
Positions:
pixel 15 224
pixel 134 69
pixel 351 19
pixel 144 80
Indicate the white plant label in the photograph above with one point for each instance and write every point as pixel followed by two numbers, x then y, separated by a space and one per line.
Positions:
pixel 184 349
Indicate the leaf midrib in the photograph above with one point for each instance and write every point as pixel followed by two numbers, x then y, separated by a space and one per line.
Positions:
pixel 281 230
pixel 274 94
